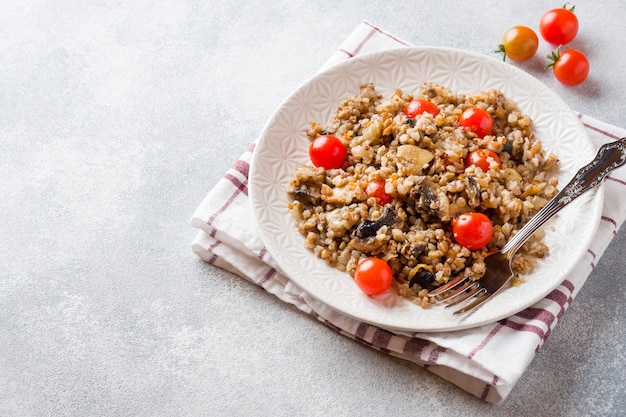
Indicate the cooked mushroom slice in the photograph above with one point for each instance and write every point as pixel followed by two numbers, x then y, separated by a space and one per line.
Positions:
pixel 308 174
pixel 473 192
pixel 367 245
pixel 413 158
pixel 340 195
pixel 306 185
pixel 369 228
pixel 341 220
pixel 305 194
pixel 365 236
pixel 421 275
pixel 508 147
pixel 418 249
pixel 433 200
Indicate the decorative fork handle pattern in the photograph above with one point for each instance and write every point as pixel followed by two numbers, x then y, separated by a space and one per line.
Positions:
pixel 609 157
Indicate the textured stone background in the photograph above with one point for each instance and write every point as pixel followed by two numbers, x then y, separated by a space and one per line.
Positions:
pixel 116 118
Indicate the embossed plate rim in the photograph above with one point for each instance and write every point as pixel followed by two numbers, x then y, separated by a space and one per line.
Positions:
pixel 283 141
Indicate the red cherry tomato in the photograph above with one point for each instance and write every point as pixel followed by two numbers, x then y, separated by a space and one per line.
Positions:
pixel 327 151
pixel 472 230
pixel 482 158
pixel 419 106
pixel 477 120
pixel 559 26
pixel 377 189
pixel 519 43
pixel 373 276
pixel 570 67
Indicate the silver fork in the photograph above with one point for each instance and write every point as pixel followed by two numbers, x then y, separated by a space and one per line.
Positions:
pixel 498 272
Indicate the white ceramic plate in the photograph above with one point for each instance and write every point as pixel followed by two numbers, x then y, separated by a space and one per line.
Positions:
pixel 283 144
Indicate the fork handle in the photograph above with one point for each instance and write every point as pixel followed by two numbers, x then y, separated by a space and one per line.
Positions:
pixel 609 157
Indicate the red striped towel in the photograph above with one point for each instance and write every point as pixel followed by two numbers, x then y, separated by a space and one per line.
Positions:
pixel 477 360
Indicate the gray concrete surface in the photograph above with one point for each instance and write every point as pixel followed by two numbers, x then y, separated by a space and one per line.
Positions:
pixel 116 118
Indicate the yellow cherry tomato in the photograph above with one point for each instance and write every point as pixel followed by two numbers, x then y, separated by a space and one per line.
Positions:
pixel 519 43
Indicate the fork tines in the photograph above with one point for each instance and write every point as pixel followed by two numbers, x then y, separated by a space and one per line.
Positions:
pixel 460 290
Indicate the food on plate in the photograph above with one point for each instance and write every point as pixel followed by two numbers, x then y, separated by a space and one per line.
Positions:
pixel 559 26
pixel 477 120
pixel 408 186
pixel 571 67
pixel 373 276
pixel 483 159
pixel 519 43
pixel 472 230
pixel 419 106
pixel 327 151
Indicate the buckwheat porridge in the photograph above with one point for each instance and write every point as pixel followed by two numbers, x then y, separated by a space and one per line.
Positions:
pixel 405 177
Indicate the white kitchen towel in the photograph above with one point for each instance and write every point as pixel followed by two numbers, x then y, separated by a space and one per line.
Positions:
pixel 486 361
